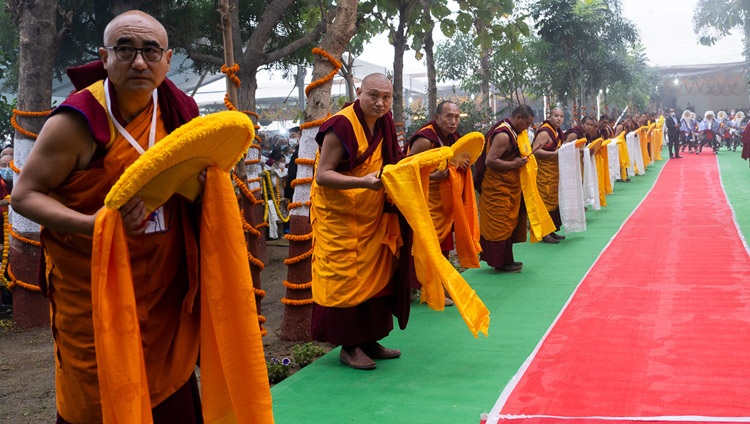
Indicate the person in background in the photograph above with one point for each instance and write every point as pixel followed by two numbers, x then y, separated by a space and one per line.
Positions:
pixel 549 137
pixel 6 186
pixel 503 219
pixel 673 134
pixel 443 131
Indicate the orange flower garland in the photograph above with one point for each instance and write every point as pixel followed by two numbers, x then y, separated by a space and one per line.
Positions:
pixel 12 165
pixel 316 123
pixel 336 66
pixel 16 282
pixel 23 239
pixel 293 286
pixel 14 121
pixel 302 237
pixel 295 205
pixel 298 181
pixel 299 258
pixel 231 72
pixel 6 247
pixel 292 302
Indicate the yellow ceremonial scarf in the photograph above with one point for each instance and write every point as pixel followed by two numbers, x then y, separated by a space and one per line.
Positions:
pixel 540 223
pixel 406 183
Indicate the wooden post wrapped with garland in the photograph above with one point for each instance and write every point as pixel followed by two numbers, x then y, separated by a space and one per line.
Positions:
pixel 298 300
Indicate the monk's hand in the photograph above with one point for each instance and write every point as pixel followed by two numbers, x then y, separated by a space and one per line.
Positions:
pixel 464 165
pixel 520 162
pixel 202 177
pixel 438 175
pixel 134 216
pixel 372 181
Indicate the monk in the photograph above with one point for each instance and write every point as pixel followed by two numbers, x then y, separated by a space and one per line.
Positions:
pixel 443 131
pixel 502 215
pixel 356 231
pixel 547 140
pixel 586 129
pixel 125 105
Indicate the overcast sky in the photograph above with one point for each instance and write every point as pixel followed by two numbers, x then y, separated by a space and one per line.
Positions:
pixel 665 27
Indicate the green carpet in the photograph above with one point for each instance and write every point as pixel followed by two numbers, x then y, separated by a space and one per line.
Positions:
pixel 735 177
pixel 444 374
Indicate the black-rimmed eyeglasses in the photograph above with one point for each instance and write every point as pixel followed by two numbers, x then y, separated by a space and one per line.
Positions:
pixel 128 53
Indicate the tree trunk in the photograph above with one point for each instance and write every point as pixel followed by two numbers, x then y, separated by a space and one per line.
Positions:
pixel 38 47
pixel 347 71
pixel 429 46
pixel 484 68
pixel 400 37
pixel 295 324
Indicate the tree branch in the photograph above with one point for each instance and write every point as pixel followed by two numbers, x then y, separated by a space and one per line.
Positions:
pixel 297 44
pixel 204 58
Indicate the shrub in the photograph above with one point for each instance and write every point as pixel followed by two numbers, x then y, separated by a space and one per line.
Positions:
pixel 305 354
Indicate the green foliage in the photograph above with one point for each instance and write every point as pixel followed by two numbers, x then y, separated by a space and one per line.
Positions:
pixel 278 370
pixel 6 112
pixel 8 52
pixel 476 119
pixel 583 45
pixel 306 354
pixel 714 19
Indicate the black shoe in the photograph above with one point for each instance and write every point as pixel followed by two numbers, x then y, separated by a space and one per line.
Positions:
pixel 678 157
pixel 510 268
pixel 549 239
pixel 557 236
pixel 6 310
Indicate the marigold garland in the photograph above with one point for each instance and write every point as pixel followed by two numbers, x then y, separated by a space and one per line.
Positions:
pixel 293 302
pixel 6 247
pixel 231 72
pixel 315 123
pixel 244 190
pixel 295 205
pixel 298 258
pixel 261 319
pixel 12 165
pixel 260 293
pixel 17 126
pixel 23 239
pixel 298 238
pixel 255 261
pixel 293 286
pixel 246 225
pixel 16 282
pixel 336 66
pixel 304 161
pixel 268 186
pixel 298 181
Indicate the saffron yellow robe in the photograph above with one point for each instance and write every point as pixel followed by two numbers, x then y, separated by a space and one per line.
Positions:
pixel 355 244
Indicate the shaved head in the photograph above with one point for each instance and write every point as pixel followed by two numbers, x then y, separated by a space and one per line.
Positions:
pixel 134 18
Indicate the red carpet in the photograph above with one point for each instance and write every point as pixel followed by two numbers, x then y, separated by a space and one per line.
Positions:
pixel 659 329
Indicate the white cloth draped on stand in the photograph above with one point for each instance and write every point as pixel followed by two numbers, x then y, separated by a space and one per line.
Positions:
pixel 570 190
pixel 636 156
pixel 590 181
pixel 613 153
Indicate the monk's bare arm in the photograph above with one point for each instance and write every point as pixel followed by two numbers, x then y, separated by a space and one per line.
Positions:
pixel 541 139
pixel 571 137
pixel 63 146
pixel 501 145
pixel 331 154
pixel 422 145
